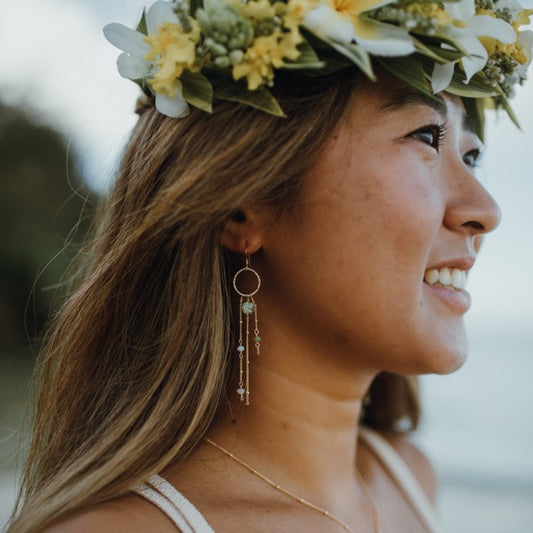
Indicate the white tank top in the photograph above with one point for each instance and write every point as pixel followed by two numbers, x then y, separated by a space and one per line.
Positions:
pixel 188 519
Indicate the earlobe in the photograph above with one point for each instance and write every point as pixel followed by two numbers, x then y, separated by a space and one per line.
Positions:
pixel 240 233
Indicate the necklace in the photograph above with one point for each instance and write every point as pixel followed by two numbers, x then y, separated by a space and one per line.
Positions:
pixel 303 501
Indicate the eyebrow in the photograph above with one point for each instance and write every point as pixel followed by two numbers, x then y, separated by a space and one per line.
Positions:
pixel 412 97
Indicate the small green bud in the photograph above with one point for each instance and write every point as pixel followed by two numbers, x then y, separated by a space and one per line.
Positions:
pixel 236 56
pixel 222 61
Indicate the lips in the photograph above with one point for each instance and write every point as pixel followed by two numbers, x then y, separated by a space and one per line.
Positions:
pixel 447 284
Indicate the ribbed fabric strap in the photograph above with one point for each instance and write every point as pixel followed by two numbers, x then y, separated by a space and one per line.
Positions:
pixel 178 508
pixel 404 478
pixel 189 520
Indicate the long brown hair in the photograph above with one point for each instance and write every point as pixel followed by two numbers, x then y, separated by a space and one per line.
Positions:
pixel 136 364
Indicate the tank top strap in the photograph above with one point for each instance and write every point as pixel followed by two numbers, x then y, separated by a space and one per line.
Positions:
pixel 179 509
pixel 403 477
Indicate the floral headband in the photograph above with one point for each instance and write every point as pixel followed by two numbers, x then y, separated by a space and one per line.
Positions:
pixel 182 49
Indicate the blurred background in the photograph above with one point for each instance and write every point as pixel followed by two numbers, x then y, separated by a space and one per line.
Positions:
pixel 64 116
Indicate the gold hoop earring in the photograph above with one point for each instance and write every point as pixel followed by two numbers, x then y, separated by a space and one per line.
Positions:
pixel 247 310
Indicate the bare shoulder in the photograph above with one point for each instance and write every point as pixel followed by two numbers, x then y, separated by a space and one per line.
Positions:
pixel 416 460
pixel 129 513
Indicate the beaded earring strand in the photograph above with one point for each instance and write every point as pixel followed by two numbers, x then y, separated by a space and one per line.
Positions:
pixel 247 307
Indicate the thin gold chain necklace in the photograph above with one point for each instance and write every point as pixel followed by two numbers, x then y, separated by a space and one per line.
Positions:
pixel 303 501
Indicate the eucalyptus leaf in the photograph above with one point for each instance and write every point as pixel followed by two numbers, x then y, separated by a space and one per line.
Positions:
pixel 261 98
pixel 197 90
pixel 142 27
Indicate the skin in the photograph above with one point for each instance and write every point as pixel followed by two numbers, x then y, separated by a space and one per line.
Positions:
pixel 342 298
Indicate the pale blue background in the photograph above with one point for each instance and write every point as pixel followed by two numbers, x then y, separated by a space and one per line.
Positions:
pixel 478 426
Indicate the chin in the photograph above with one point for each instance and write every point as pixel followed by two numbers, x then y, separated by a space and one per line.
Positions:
pixel 449 357
pixel 440 354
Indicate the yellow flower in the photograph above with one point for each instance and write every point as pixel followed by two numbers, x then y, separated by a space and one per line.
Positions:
pixel 515 50
pixel 172 50
pixel 259 10
pixel 295 12
pixel 431 10
pixel 523 18
pixel 265 54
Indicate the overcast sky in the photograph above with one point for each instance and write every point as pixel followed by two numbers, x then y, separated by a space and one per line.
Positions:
pixel 55 61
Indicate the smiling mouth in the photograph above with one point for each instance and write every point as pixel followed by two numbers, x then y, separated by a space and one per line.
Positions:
pixel 452 278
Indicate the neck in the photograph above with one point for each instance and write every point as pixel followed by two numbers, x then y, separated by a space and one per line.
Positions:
pixel 301 427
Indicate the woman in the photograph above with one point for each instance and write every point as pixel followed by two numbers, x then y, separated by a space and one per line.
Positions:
pixel 254 283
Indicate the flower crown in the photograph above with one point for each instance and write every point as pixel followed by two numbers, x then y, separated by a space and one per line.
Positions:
pixel 184 52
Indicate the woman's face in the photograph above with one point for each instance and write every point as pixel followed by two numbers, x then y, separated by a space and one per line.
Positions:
pixel 391 200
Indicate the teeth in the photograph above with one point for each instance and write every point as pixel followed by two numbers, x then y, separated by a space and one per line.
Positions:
pixel 445 276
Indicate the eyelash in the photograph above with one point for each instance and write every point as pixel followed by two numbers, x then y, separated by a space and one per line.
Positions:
pixel 438 133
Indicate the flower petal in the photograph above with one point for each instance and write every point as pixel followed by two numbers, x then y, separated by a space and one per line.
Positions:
pixel 477 58
pixel 172 106
pixel 126 39
pixel 131 67
pixel 323 20
pixel 442 76
pixel 461 10
pixel 525 40
pixel 382 39
pixel 513 6
pixel 159 13
pixel 487 26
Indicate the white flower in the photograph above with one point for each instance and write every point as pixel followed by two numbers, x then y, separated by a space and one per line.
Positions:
pixel 467 34
pixel 131 63
pixel 340 20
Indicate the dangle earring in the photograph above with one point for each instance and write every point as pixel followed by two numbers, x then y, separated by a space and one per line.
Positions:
pixel 247 312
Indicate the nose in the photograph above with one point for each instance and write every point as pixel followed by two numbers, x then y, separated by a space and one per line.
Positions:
pixel 471 208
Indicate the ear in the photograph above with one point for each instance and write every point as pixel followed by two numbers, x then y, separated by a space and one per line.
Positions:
pixel 241 232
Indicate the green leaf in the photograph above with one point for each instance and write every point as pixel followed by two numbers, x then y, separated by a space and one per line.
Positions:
pixel 194 5
pixel 436 53
pixel 467 91
pixel 409 70
pixel 357 55
pixel 142 27
pixel 306 60
pixel 475 88
pixel 352 52
pixel 197 90
pixel 439 37
pixel 261 98
pixel 332 59
pixel 475 110
pixel 144 87
pixel 507 106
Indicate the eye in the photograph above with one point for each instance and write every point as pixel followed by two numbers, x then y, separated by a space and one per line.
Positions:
pixel 432 135
pixel 472 158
